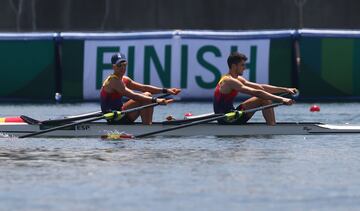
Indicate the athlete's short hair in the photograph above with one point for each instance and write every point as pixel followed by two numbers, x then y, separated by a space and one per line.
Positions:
pixel 236 58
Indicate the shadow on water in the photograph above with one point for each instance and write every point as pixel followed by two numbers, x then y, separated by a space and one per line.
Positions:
pixel 38 152
pixel 202 150
pixel 41 156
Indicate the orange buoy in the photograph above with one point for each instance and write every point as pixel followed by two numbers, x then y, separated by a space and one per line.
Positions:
pixel 315 108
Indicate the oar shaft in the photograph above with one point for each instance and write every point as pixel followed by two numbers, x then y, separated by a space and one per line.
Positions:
pixel 213 118
pixel 289 95
pixel 71 119
pixel 181 126
pixel 84 121
pixel 88 120
pixel 84 116
pixel 61 127
pixel 262 107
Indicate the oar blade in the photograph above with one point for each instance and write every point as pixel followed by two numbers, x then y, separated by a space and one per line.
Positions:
pixel 117 136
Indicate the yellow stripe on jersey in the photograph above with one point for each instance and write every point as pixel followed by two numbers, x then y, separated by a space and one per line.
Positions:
pixel 106 82
pixel 222 78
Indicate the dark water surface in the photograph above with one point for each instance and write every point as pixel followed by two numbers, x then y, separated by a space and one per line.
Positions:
pixel 188 173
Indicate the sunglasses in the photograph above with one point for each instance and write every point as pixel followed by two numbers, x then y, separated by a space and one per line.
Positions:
pixel 243 65
pixel 122 64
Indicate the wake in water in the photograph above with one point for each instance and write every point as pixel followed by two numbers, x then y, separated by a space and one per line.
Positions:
pixel 7 136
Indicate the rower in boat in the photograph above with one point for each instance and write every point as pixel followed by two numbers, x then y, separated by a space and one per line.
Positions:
pixel 118 85
pixel 233 83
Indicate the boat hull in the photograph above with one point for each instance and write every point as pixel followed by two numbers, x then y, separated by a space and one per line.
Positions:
pixel 100 129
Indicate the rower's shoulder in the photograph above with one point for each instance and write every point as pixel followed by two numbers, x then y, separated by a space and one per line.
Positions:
pixel 115 81
pixel 241 79
pixel 226 78
pixel 236 80
pixel 126 78
pixel 228 83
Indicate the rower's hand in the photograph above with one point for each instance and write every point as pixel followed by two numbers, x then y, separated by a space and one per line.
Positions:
pixel 163 101
pixel 292 91
pixel 173 91
pixel 287 101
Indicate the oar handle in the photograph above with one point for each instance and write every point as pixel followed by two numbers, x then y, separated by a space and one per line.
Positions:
pixel 293 96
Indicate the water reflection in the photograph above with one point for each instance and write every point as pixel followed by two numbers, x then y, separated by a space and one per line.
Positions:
pixel 167 149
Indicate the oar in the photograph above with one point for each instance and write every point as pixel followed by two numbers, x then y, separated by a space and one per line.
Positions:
pixel 104 116
pixel 230 115
pixel 64 120
pixel 203 116
pixel 71 118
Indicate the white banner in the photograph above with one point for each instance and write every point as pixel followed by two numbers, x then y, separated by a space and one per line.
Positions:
pixel 194 65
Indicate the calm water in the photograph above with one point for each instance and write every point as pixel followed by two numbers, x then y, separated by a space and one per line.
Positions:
pixel 191 173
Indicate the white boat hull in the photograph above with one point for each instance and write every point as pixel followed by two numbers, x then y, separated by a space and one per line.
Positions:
pixel 209 129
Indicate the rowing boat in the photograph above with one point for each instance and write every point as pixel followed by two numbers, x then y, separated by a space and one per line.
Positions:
pixel 203 125
pixel 98 129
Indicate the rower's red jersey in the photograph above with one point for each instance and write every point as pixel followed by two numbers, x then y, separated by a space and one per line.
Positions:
pixel 223 102
pixel 111 101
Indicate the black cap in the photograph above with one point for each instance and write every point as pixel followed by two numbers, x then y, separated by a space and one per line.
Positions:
pixel 118 58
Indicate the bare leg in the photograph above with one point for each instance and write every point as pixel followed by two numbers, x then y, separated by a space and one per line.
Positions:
pixel 254 102
pixel 146 114
pixel 269 115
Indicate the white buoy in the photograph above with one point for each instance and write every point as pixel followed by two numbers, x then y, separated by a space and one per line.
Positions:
pixel 58 97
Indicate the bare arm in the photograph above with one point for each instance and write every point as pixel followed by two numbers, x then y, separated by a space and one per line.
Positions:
pixel 123 90
pixel 120 88
pixel 277 89
pixel 255 91
pixel 268 88
pixel 143 87
pixel 152 89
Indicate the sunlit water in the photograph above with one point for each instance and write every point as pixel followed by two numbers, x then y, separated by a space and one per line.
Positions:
pixel 188 173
